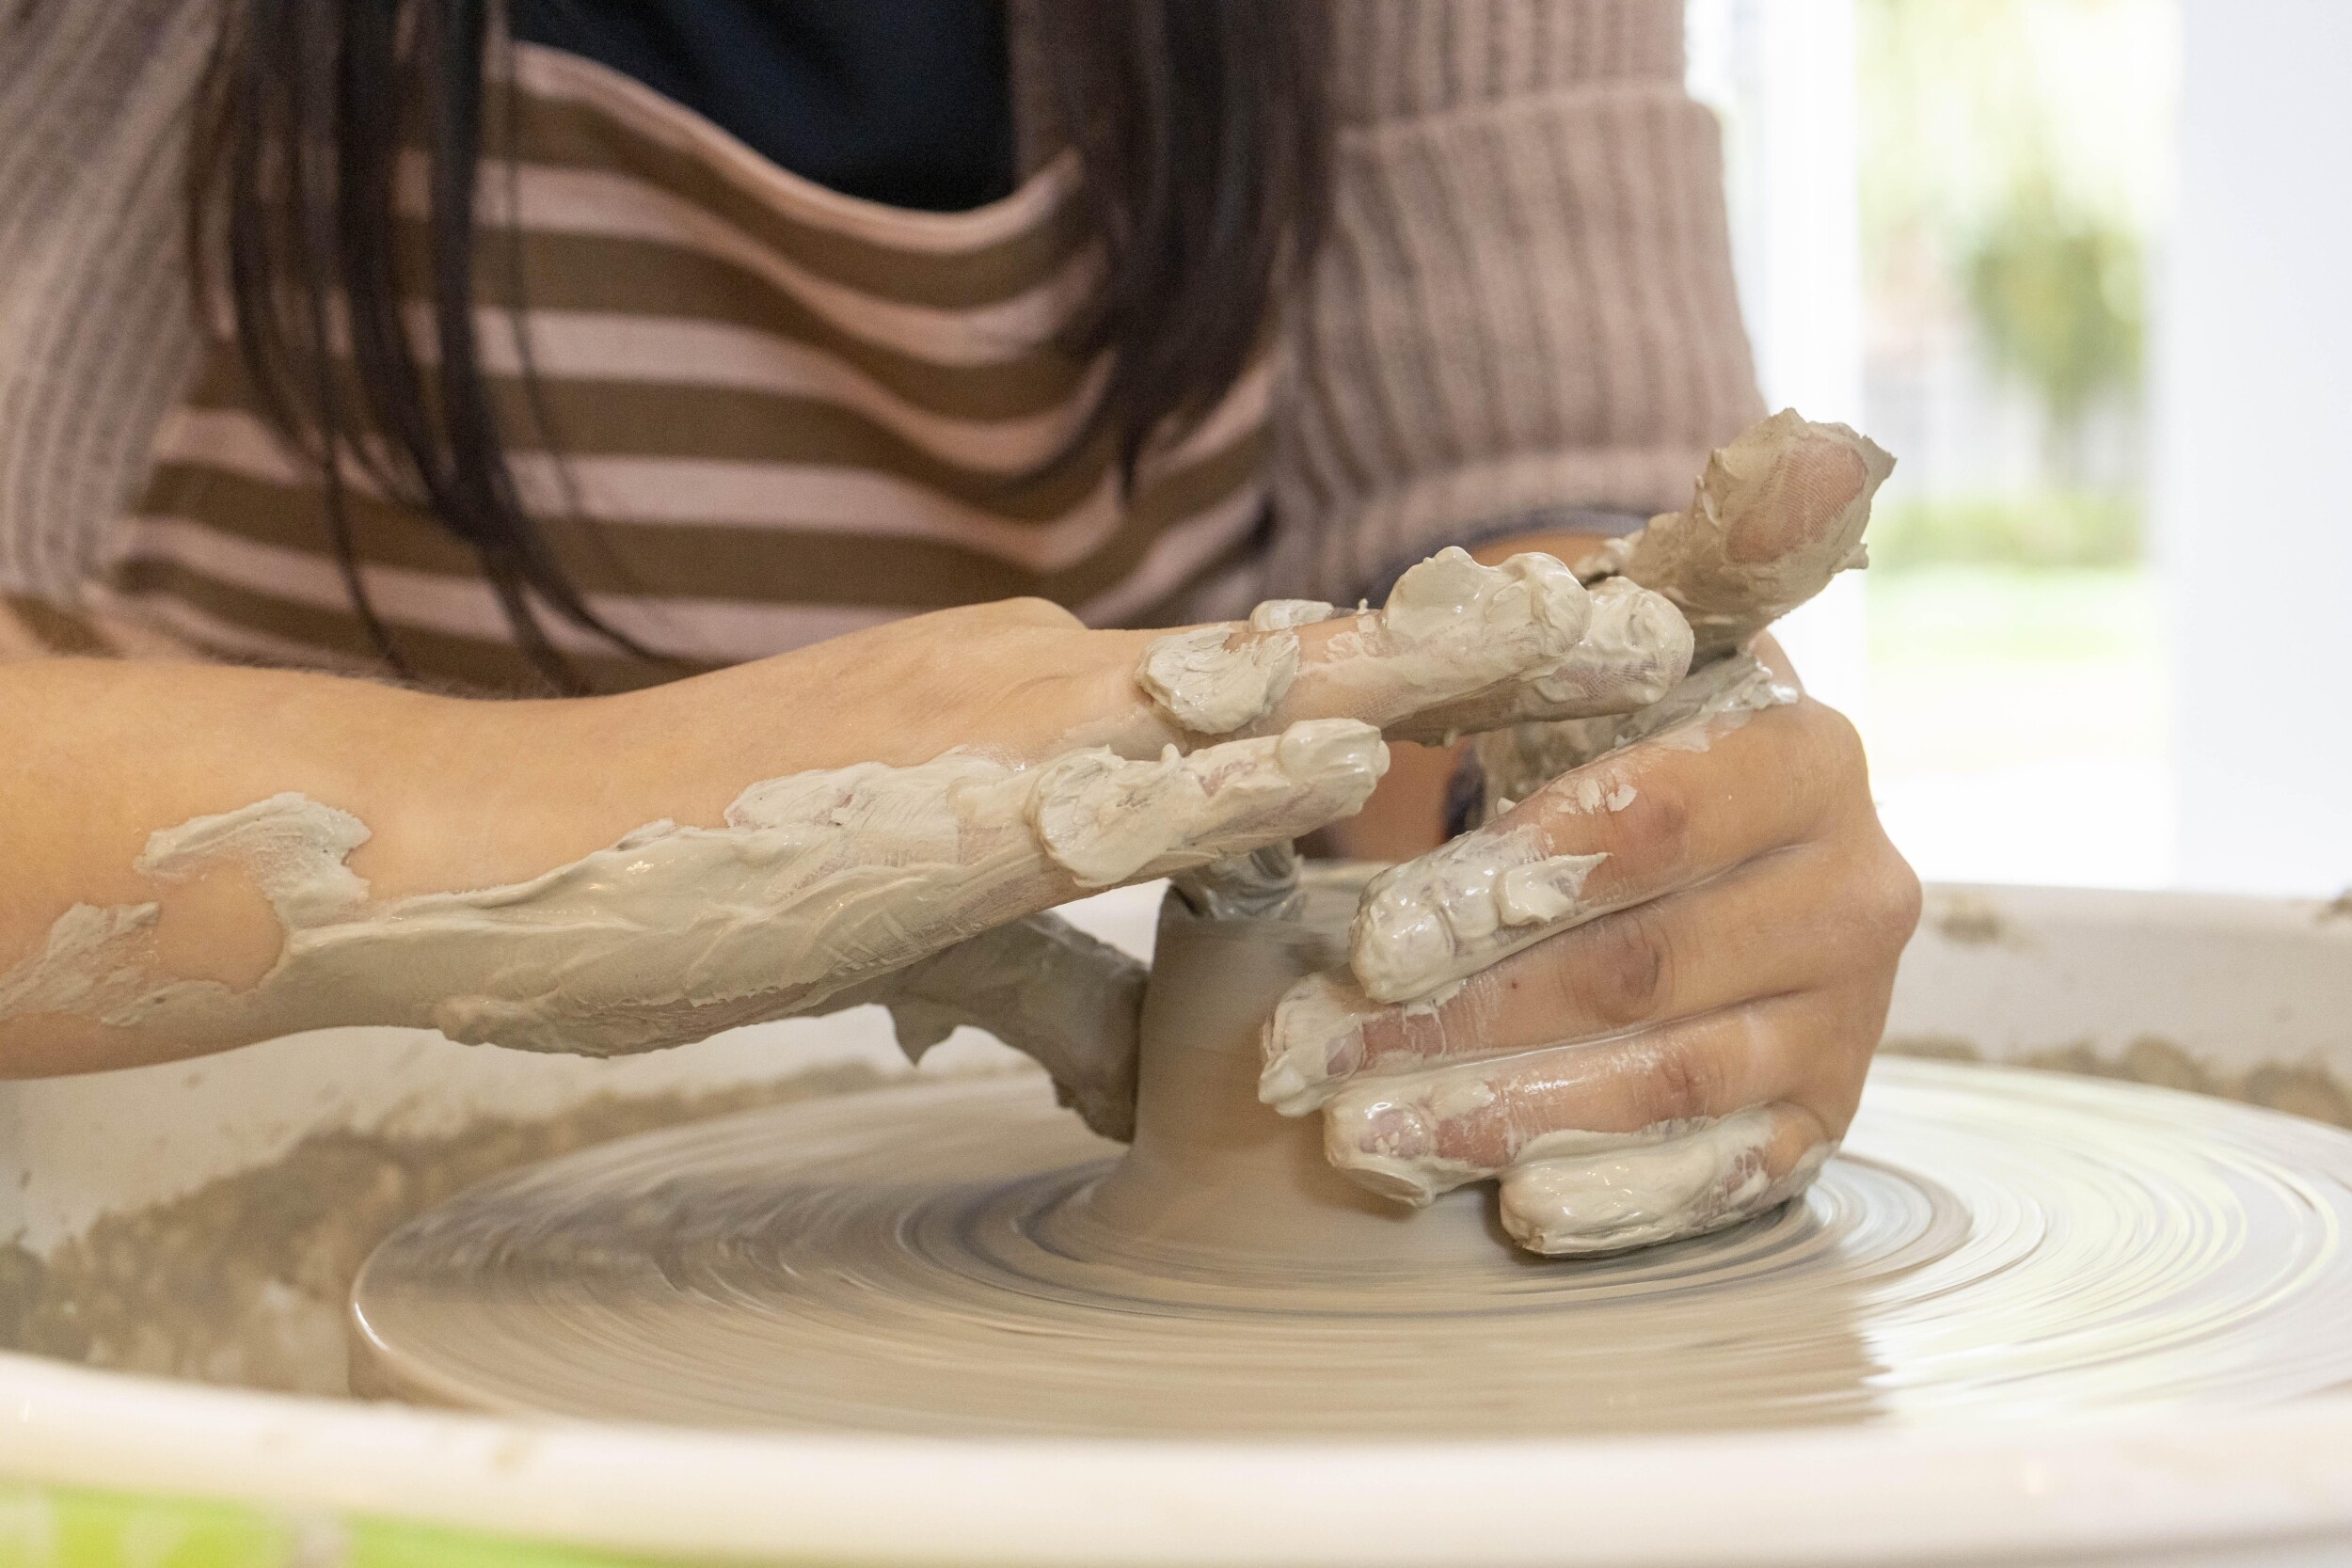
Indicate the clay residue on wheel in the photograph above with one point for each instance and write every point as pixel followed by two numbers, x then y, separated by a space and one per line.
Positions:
pixel 2306 1090
pixel 247 1280
pixel 1968 920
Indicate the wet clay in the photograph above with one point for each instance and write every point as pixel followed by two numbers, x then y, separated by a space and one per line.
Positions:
pixel 1462 907
pixel 1450 629
pixel 247 1280
pixel 1774 516
pixel 818 886
pixel 1635 648
pixel 1459 647
pixel 1515 763
pixel 966 1259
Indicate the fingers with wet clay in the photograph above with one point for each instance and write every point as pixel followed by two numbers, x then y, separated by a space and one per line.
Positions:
pixel 1449 628
pixel 1753 931
pixel 1457 645
pixel 1680 1185
pixel 1668 1131
pixel 1674 1039
pixel 1639 823
pixel 1638 994
pixel 1635 649
pixel 1775 514
pixel 1416 1135
pixel 1515 763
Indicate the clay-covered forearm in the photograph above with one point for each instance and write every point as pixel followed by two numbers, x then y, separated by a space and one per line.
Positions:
pixel 291 852
pixel 506 877
pixel 104 756
pixel 203 856
pixel 218 856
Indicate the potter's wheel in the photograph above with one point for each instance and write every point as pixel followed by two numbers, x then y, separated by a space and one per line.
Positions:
pixel 964 1259
pixel 1992 1243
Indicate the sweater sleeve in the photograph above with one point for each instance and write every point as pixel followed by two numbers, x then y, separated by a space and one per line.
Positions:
pixel 1524 305
pixel 96 336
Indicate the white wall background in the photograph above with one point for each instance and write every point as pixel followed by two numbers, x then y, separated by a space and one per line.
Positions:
pixel 2253 445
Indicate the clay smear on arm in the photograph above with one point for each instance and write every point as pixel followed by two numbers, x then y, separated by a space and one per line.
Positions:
pixel 817 883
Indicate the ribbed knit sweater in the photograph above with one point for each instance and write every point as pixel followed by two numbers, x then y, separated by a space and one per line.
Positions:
pixel 1522 312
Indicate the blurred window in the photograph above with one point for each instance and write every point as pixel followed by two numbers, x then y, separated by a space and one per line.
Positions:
pixel 2007 163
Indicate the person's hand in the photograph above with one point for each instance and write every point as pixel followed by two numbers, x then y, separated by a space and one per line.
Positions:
pixel 1456 645
pixel 1106 770
pixel 883 816
pixel 1645 994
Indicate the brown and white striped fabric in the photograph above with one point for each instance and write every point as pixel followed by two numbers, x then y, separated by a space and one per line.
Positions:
pixel 785 413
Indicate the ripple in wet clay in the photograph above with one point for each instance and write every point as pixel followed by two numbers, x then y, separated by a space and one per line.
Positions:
pixel 1991 1243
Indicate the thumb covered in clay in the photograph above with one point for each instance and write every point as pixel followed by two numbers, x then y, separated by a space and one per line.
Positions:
pixel 1775 514
pixel 1773 518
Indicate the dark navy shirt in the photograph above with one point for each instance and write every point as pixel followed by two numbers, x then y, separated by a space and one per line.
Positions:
pixel 903 102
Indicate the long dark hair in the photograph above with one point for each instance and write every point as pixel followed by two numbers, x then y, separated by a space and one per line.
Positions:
pixel 1201 127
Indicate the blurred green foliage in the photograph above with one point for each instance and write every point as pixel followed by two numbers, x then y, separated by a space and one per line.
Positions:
pixel 1965 104
pixel 2013 153
pixel 2055 292
pixel 2057 528
pixel 65 1527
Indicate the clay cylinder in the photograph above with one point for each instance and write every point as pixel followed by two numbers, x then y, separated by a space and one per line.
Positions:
pixel 1214 1173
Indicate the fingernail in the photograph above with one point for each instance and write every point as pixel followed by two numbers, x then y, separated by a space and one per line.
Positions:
pixel 1389 1149
pixel 1397 1131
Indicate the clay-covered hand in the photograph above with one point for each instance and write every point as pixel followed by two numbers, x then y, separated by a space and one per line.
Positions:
pixel 883 816
pixel 1142 719
pixel 1522 638
pixel 1644 1001
pixel 1646 993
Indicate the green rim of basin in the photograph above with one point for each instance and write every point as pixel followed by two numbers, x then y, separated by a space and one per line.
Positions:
pixel 57 1527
